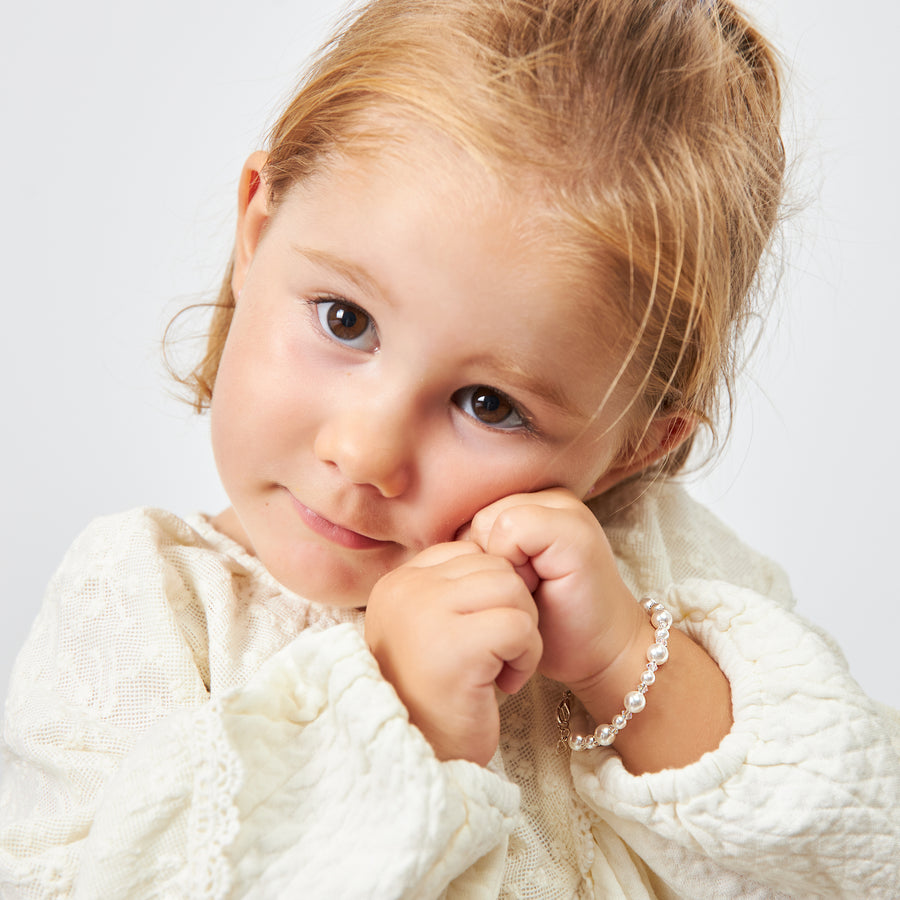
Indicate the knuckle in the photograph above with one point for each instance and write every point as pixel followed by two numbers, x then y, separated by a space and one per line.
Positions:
pixel 505 523
pixel 524 624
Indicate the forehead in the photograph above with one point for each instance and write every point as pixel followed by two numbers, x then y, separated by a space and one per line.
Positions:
pixel 522 205
pixel 421 173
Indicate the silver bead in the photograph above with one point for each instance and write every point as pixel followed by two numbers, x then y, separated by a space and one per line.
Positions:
pixel 619 722
pixel 648 603
pixel 635 701
pixel 605 735
pixel 658 653
pixel 662 635
pixel 661 618
pixel 648 677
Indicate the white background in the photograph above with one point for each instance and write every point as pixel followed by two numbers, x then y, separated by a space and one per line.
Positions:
pixel 124 127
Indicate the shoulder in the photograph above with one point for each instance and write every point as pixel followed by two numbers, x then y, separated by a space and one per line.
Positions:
pixel 132 547
pixel 151 579
pixel 121 622
pixel 662 536
pixel 141 565
pixel 134 530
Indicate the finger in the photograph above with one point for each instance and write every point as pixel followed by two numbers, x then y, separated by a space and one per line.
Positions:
pixel 524 570
pixel 555 541
pixel 440 553
pixel 496 586
pixel 468 583
pixel 482 524
pixel 508 644
pixel 452 566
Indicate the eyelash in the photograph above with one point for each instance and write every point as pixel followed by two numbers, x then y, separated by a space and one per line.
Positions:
pixel 320 308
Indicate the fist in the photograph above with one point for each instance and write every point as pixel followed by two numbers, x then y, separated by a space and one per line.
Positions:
pixel 446 628
pixel 587 613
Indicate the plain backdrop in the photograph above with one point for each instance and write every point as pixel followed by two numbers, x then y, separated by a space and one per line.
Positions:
pixel 124 127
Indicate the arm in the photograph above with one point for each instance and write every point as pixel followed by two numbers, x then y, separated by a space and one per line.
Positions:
pixel 595 635
pixel 460 619
pixel 800 797
pixel 798 794
pixel 688 708
pixel 124 778
pixel 278 785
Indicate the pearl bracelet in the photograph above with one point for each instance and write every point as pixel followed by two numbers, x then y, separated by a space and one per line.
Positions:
pixel 604 735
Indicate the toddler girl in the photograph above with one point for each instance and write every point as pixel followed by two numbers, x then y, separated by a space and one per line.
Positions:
pixel 457 634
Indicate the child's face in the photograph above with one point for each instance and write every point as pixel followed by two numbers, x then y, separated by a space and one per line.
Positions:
pixel 400 357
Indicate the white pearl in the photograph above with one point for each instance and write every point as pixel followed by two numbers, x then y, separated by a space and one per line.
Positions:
pixel 648 677
pixel 662 635
pixel 648 603
pixel 635 701
pixel 576 742
pixel 657 653
pixel 604 735
pixel 619 722
pixel 661 618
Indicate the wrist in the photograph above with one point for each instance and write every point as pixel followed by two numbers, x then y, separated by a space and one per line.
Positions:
pixel 617 694
pixel 688 712
pixel 605 688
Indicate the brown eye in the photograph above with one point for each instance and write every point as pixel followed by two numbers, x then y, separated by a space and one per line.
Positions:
pixel 490 407
pixel 347 323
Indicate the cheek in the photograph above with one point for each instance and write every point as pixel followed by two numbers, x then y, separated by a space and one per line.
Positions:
pixel 230 448
pixel 585 471
pixel 245 427
pixel 263 388
pixel 464 484
pixel 486 479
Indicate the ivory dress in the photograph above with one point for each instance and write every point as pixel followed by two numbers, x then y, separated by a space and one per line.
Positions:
pixel 181 725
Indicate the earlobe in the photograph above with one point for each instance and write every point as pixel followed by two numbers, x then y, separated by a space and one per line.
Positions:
pixel 662 438
pixel 253 214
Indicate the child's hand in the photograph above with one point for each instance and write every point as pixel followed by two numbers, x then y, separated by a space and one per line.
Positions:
pixel 445 628
pixel 587 615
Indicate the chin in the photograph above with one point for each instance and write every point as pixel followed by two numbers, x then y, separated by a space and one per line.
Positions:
pixel 339 590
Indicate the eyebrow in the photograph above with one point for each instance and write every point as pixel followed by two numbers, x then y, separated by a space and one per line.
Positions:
pixel 360 277
pixel 522 380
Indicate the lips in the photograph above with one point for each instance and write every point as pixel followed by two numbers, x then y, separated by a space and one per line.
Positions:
pixel 333 532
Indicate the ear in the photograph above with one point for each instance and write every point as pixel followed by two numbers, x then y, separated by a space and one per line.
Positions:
pixel 663 437
pixel 253 214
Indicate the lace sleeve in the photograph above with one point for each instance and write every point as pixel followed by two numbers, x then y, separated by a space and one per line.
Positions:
pixel 106 661
pixel 124 779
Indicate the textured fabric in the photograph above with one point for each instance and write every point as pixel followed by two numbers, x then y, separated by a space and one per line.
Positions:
pixel 180 725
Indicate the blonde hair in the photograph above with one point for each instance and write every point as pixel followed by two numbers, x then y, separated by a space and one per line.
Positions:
pixel 652 127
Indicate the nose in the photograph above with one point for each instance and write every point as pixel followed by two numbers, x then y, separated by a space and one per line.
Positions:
pixel 370 442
